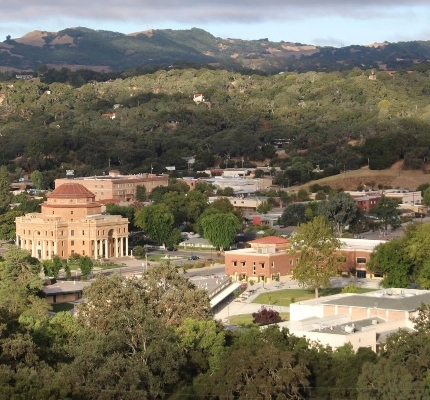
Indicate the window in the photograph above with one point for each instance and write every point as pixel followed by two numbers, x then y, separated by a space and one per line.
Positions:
pixel 234 263
pixel 273 264
pixel 72 243
pixel 291 262
pixel 253 270
pixel 83 243
pixel 262 264
pixel 83 252
pixel 361 260
pixel 71 212
pixel 72 233
pixel 83 233
pixel 243 263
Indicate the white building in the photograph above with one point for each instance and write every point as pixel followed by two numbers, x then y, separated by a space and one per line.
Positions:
pixel 364 320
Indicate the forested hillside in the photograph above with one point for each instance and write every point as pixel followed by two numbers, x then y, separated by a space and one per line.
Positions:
pixel 115 51
pixel 334 120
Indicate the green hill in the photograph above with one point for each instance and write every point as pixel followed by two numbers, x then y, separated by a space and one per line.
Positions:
pixel 105 50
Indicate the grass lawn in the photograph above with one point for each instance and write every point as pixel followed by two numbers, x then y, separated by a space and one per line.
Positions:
pixel 246 319
pixel 57 307
pixel 284 297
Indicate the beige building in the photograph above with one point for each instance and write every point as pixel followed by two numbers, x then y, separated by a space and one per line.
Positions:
pixel 71 222
pixel 364 320
pixel 116 186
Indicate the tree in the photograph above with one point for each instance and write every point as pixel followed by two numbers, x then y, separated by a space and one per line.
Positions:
pixel 387 380
pixel 140 192
pixel 316 247
pixel 264 207
pixel 258 365
pixel 52 267
pixel 220 229
pixel 386 211
pixel 156 220
pixel 7 224
pixel 123 347
pixel 37 179
pixel 5 194
pixel 205 337
pixel 173 297
pixel 426 196
pixel 293 215
pixel 139 251
pixel 86 266
pixel 392 260
pixel 340 210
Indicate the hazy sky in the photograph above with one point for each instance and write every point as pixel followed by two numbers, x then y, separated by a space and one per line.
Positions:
pixel 321 22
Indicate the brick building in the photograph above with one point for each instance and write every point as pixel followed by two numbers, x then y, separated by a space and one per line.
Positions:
pixel 71 222
pixel 366 203
pixel 268 259
pixel 116 186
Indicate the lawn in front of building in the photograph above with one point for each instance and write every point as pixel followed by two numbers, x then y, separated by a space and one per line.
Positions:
pixel 246 319
pixel 287 296
pixel 57 307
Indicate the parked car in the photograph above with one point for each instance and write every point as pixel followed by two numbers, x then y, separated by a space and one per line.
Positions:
pixel 171 249
pixel 193 258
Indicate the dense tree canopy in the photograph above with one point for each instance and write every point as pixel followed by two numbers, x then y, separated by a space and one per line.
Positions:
pixel 316 247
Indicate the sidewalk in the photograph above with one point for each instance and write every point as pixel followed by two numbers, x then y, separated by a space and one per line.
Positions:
pixel 245 306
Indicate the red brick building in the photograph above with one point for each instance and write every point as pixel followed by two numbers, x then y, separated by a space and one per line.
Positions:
pixel 366 203
pixel 268 259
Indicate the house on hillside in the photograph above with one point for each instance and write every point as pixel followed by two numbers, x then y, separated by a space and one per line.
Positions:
pixel 198 98
pixel 109 115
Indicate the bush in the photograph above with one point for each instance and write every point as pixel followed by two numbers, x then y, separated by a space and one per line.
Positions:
pixel 351 288
pixel 266 316
pixel 139 251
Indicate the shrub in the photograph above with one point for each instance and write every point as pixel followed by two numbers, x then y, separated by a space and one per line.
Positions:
pixel 139 251
pixel 351 288
pixel 266 316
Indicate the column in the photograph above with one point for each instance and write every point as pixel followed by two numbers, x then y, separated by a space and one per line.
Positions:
pixel 116 247
pixel 121 248
pixel 55 248
pixel 95 249
pixel 43 254
pixel 106 248
pixel 50 249
pixel 17 241
pixel 126 245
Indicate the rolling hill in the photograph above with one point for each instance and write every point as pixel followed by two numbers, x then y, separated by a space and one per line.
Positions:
pixel 107 51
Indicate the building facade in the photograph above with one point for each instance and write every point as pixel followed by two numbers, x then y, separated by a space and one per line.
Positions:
pixel 116 186
pixel 268 259
pixel 71 222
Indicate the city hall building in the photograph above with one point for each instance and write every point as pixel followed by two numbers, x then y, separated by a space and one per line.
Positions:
pixel 71 222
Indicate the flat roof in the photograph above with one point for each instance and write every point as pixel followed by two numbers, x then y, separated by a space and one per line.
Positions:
pixel 63 287
pixel 348 328
pixel 401 302
pixel 360 244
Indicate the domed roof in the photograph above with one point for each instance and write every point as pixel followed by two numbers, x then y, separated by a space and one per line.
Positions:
pixel 70 191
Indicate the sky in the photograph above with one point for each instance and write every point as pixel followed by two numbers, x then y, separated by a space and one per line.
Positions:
pixel 319 22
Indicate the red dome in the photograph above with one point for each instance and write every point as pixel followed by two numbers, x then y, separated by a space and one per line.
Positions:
pixel 70 191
